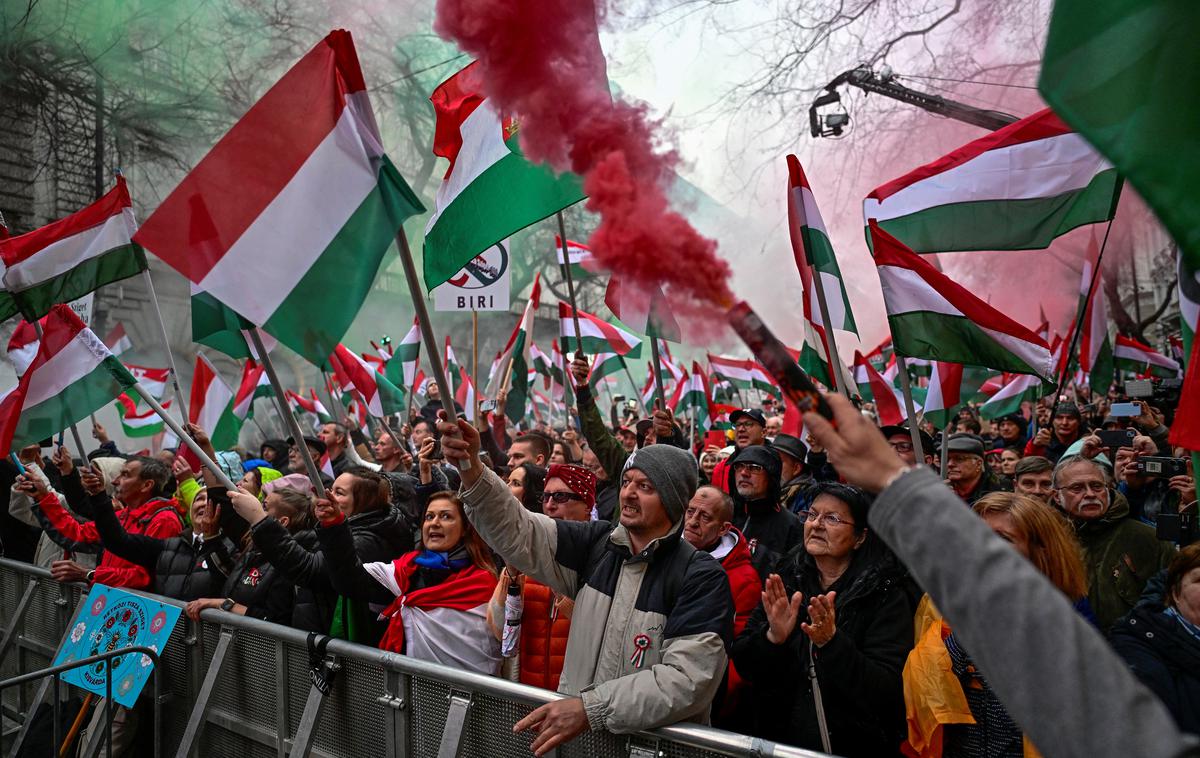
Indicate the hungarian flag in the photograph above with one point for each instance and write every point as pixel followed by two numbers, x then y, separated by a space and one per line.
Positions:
pixel 153 379
pixel 385 351
pixel 1116 71
pixel 811 247
pixel 1025 387
pixel 649 389
pixel 882 353
pixel 813 358
pixel 933 317
pixel 889 403
pixel 541 364
pixel 604 365
pixel 117 342
pixel 465 396
pixel 453 368
pixel 743 373
pixel 72 375
pixel 137 423
pixel 694 397
pixel 1131 355
pixel 944 394
pixel 73 256
pixel 23 346
pixel 490 190
pixel 668 366
pixel 254 384
pixel 579 257
pixel 353 373
pixel 311 405
pixel 211 406
pixel 596 334
pixel 401 368
pixel 287 218
pixel 1014 189
pixel 643 310
pixel 218 326
pixel 515 356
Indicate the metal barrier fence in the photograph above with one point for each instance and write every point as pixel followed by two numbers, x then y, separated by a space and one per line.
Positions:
pixel 256 698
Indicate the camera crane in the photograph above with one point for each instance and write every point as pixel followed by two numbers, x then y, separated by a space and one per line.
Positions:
pixel 832 124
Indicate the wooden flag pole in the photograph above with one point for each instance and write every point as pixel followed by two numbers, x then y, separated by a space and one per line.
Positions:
pixel 658 383
pixel 427 336
pixel 186 439
pixel 289 418
pixel 906 388
pixel 566 268
pixel 162 332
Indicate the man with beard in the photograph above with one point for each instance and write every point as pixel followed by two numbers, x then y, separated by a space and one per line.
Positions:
pixel 749 428
pixel 1121 554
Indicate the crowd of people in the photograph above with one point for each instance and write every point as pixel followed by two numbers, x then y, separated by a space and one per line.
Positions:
pixel 806 588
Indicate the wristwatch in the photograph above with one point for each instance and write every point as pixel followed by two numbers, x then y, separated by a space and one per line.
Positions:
pixel 90 576
pixel 227 606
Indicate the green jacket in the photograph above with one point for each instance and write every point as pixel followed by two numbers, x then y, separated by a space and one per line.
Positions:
pixel 608 449
pixel 1120 554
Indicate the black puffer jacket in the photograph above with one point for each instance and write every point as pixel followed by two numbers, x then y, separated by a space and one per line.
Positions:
pixel 183 567
pixel 380 535
pixel 1165 657
pixel 859 670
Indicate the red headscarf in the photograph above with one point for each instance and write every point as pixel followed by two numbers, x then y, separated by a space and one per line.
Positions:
pixel 581 481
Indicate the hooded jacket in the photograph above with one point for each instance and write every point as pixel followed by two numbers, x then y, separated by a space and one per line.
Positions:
pixel 1121 555
pixel 1166 657
pixel 767 526
pixel 859 669
pixel 379 535
pixel 649 630
pixel 733 552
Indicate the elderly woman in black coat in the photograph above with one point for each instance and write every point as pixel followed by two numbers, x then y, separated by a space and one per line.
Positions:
pixel 836 618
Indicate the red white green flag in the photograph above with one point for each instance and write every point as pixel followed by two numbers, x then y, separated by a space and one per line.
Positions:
pixel 1095 345
pixel 944 396
pixel 401 367
pixel 153 379
pixel 743 373
pixel 117 341
pixel 695 398
pixel 579 257
pixel 1014 189
pixel 516 356
pixel 596 334
pixel 490 190
pixel 889 403
pixel 211 405
pixel 311 405
pixel 73 256
pixel 72 376
pixel 254 384
pixel 1022 388
pixel 297 196
pixel 933 317
pixel 811 247
pixel 139 423
pixel 1131 355
pixel 353 373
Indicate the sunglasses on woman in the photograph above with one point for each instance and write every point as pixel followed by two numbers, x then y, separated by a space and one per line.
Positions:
pixel 560 497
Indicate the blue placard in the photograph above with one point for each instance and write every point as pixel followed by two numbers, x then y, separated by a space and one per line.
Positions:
pixel 111 619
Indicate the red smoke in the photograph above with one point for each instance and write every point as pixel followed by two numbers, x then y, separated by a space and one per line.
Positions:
pixel 541 60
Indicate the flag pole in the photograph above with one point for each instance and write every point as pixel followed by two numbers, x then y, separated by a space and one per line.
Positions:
pixel 1079 313
pixel 658 383
pixel 566 267
pixel 914 432
pixel 289 418
pixel 186 439
pixel 637 391
pixel 412 387
pixel 475 364
pixel 162 332
pixel 431 346
pixel 830 340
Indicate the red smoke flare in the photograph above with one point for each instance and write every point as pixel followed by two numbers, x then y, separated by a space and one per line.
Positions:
pixel 541 59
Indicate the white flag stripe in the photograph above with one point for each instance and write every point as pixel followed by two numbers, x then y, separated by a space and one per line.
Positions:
pixel 59 257
pixel 812 215
pixel 78 358
pixel 1040 168
pixel 482 147
pixel 296 227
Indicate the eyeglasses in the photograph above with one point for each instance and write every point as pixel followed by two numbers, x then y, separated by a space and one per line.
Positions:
pixel 744 425
pixel 830 519
pixel 1078 488
pixel 560 497
pixel 749 467
pixel 902 447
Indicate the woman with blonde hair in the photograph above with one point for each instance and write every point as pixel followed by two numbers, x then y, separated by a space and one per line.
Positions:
pixel 952 712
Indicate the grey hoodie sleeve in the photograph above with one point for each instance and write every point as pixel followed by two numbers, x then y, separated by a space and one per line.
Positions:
pixel 1053 671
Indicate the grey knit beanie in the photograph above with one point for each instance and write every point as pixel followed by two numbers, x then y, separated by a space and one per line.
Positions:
pixel 672 471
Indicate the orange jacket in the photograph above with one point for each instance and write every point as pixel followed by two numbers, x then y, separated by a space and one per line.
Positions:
pixel 933 696
pixel 545 624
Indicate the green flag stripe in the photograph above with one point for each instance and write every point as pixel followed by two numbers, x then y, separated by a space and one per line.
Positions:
pixel 953 339
pixel 97 388
pixel 114 265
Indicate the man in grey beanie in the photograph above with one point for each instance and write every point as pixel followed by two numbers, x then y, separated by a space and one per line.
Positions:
pixel 653 616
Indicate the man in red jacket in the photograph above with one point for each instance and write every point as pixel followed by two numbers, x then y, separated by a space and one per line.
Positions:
pixel 138 488
pixel 708 525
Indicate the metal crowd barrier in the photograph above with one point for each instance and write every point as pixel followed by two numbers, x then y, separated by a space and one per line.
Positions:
pixel 241 687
